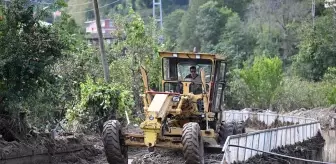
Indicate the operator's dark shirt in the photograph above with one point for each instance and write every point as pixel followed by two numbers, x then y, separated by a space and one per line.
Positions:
pixel 189 76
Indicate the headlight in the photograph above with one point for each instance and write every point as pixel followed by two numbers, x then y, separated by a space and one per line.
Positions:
pixel 176 99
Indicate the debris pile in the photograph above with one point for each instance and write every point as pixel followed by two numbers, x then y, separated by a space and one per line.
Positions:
pixel 324 115
pixel 261 125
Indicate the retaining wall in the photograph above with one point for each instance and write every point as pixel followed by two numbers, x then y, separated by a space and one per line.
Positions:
pixel 266 140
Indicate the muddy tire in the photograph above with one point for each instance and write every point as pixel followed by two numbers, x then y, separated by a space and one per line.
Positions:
pixel 193 146
pixel 114 145
pixel 225 130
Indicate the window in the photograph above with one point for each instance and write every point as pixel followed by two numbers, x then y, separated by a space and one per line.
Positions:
pixel 218 100
pixel 222 71
pixel 178 69
pixel 173 87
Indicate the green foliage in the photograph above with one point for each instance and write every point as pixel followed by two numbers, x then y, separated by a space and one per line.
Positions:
pixel 238 93
pixel 138 47
pixel 236 42
pixel 293 93
pixel 297 93
pixel 141 49
pixel 268 42
pixel 171 25
pixel 330 74
pixel 189 39
pixel 211 20
pixel 317 49
pixel 330 78
pixel 238 6
pixel 262 80
pixel 332 96
pixel 100 101
pixel 28 50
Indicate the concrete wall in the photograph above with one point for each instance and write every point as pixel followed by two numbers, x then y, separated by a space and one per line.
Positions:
pixel 268 139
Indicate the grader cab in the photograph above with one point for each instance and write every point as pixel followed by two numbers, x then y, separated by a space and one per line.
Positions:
pixel 185 114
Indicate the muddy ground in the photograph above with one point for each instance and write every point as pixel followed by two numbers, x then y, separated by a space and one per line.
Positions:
pixel 43 149
pixel 159 156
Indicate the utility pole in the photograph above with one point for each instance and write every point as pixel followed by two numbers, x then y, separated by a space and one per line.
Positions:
pixel 101 43
pixel 158 4
pixel 313 12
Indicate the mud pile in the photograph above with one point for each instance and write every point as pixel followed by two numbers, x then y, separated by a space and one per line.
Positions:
pixel 261 125
pixel 64 149
pixel 310 149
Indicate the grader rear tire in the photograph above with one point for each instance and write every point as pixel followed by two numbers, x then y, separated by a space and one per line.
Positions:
pixel 114 145
pixel 225 130
pixel 193 146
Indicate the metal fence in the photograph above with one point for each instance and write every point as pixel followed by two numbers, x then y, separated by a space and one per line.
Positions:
pixel 266 140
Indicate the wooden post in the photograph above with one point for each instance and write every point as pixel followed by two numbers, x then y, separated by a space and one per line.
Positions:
pixel 101 43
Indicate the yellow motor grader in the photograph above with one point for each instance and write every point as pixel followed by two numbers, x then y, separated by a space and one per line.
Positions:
pixel 185 114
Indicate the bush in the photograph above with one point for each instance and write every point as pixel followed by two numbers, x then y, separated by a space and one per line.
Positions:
pixel 297 93
pixel 99 102
pixel 332 96
pixel 293 93
pixel 262 80
pixel 263 86
pixel 330 78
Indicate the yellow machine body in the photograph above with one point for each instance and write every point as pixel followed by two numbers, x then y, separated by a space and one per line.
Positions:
pixel 167 111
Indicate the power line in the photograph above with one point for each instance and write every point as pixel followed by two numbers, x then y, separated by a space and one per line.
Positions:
pixel 45 3
pixel 93 9
pixel 79 4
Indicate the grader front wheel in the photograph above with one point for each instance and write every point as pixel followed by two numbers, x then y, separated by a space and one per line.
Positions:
pixel 192 141
pixel 115 149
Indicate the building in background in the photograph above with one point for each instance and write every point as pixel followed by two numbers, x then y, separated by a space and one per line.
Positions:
pixel 92 33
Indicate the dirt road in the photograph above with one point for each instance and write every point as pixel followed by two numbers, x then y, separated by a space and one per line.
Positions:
pixel 160 156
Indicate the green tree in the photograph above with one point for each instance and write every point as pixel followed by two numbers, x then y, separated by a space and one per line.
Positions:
pixel 236 42
pixel 275 24
pixel 238 6
pixel 262 79
pixel 29 49
pixel 211 20
pixel 317 48
pixel 171 25
pixel 135 45
pixel 189 39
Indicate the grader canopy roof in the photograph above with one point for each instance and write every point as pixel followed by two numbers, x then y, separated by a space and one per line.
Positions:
pixel 190 55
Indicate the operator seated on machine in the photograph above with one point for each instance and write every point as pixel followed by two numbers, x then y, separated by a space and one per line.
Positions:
pixel 196 88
